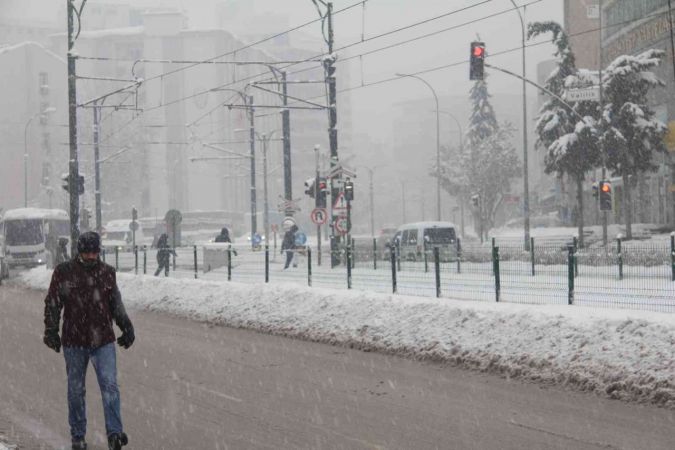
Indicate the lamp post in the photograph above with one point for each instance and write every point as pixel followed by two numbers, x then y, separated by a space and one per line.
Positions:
pixel 51 109
pixel 461 151
pixel 371 171
pixel 526 188
pixel 438 143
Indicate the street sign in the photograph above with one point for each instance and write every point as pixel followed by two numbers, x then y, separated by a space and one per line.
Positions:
pixel 319 216
pixel 342 225
pixel 133 226
pixel 338 170
pixel 275 228
pixel 591 94
pixel 340 202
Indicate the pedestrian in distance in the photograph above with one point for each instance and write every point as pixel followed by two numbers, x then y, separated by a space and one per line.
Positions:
pixel 224 236
pixel 85 289
pixel 288 245
pixel 61 251
pixel 164 253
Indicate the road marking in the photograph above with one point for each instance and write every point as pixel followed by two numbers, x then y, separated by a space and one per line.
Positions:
pixel 210 391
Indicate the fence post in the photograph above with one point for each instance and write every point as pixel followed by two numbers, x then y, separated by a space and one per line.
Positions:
pixel 267 263
pixel 196 266
pixel 309 266
pixel 437 267
pixel 398 256
pixel 426 259
pixel 136 259
pixel 229 262
pixel 374 253
pixel 570 274
pixel 393 269
pixel 117 258
pixel 174 259
pixel 618 248
pixel 350 258
pixel 672 255
pixel 495 270
pixel 459 255
pixel 493 252
pixel 575 241
pixel 353 251
pixel 145 260
pixel 532 255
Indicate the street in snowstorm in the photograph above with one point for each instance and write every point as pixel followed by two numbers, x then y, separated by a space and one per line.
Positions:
pixel 337 224
pixel 186 384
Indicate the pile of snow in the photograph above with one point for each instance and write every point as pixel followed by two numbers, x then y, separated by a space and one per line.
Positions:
pixel 627 355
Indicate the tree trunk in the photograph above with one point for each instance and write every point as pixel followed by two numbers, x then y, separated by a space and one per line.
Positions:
pixel 628 207
pixel 580 207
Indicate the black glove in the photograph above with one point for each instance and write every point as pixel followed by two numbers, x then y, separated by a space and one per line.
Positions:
pixel 127 339
pixel 52 340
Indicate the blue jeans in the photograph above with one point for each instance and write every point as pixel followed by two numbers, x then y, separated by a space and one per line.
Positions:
pixel 104 361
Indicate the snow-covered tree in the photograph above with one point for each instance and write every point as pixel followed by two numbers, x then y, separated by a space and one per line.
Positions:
pixel 571 143
pixel 631 133
pixel 487 164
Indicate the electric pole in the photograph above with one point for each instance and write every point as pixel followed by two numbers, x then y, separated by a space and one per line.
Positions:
pixel 97 164
pixel 317 148
pixel 254 207
pixel 73 188
pixel 286 130
pixel 602 146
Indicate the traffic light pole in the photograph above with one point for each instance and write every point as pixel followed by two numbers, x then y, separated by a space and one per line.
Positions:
pixel 254 206
pixel 316 204
pixel 602 147
pixel 72 127
pixel 286 129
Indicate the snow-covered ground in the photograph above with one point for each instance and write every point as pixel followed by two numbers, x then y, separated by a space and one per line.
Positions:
pixel 622 354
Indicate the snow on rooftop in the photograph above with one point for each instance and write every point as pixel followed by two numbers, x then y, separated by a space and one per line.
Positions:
pixel 34 213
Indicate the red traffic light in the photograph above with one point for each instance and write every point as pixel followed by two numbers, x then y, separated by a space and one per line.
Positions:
pixel 478 51
pixel 605 187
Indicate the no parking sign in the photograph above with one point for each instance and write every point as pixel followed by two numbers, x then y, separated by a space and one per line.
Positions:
pixel 319 216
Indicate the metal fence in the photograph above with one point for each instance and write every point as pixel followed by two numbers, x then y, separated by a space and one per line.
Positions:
pixel 637 275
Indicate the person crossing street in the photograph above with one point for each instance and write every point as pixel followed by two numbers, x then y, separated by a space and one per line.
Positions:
pixel 85 290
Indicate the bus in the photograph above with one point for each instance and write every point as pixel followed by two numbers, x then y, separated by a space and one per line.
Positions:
pixel 27 232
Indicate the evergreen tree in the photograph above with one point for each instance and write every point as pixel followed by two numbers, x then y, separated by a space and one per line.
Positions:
pixel 631 133
pixel 486 167
pixel 572 144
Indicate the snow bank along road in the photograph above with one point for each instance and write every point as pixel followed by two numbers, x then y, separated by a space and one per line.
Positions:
pixel 191 385
pixel 626 355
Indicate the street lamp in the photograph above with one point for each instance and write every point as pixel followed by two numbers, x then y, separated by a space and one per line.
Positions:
pixel 461 151
pixel 371 171
pixel 49 110
pixel 526 188
pixel 438 143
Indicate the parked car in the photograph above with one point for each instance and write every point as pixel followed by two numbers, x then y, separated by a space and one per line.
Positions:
pixel 4 267
pixel 414 240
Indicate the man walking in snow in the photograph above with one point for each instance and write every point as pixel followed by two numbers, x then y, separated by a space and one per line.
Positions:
pixel 164 253
pixel 85 288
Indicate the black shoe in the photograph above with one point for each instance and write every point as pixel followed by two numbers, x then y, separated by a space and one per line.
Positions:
pixel 79 444
pixel 117 440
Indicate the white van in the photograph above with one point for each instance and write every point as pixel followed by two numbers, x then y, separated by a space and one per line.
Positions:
pixel 117 233
pixel 416 239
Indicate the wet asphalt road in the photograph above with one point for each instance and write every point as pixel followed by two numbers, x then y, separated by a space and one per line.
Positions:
pixel 187 385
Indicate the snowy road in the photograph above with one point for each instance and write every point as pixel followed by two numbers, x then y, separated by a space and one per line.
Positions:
pixel 188 385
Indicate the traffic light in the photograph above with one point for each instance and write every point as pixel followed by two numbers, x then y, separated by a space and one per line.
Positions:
pixel 475 200
pixel 477 61
pixel 309 187
pixel 605 188
pixel 134 214
pixel 595 190
pixel 322 192
pixel 349 190
pixel 80 183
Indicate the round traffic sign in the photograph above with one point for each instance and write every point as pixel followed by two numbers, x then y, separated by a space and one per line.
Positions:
pixel 133 226
pixel 319 216
pixel 342 225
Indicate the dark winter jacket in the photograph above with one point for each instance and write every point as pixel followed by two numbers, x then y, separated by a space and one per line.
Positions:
pixel 164 251
pixel 90 301
pixel 289 239
pixel 224 236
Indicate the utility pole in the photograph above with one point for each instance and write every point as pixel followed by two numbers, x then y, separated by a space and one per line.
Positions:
pixel 266 211
pixel 335 179
pixel 372 204
pixel 526 188
pixel 72 124
pixel 254 207
pixel 97 164
pixel 286 130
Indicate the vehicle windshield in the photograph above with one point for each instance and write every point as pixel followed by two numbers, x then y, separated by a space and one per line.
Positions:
pixel 116 236
pixel 439 235
pixel 24 232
